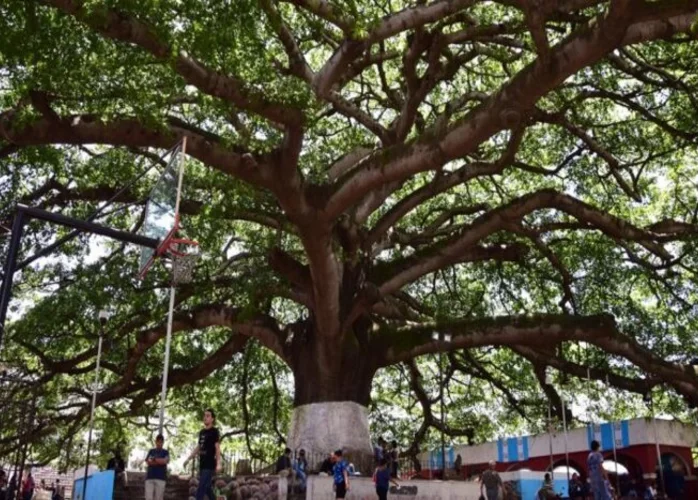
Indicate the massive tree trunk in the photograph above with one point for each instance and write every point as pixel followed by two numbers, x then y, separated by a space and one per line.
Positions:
pixel 333 376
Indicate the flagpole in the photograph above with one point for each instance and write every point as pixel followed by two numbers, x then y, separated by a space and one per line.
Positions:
pixel 615 455
pixel 564 430
pixel 590 417
pixel 660 476
pixel 550 440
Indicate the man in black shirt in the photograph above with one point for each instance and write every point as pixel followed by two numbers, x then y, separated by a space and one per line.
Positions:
pixel 576 488
pixel 284 461
pixel 327 465
pixel 209 453
pixel 117 464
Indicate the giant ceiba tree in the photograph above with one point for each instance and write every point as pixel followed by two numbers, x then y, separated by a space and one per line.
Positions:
pixel 516 174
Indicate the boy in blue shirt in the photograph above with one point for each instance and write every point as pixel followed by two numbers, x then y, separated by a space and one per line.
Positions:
pixel 382 478
pixel 156 478
pixel 341 476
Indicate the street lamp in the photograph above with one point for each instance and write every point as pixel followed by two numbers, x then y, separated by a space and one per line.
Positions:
pixel 446 339
pixel 103 317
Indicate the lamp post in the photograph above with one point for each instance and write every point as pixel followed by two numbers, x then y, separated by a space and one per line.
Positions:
pixel 442 338
pixel 103 316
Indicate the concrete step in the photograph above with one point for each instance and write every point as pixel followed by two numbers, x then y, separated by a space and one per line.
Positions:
pixel 177 488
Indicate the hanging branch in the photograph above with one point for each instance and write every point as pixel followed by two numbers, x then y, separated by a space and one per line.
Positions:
pixel 244 384
pixel 275 403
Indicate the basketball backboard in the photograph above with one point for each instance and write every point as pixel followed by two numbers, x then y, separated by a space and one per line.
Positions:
pixel 161 212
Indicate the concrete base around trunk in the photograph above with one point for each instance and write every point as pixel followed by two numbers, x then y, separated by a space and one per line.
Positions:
pixel 321 428
pixel 363 488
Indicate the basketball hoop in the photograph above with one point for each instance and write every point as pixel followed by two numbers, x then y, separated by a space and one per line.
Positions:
pixel 183 268
pixel 183 263
pixel 161 222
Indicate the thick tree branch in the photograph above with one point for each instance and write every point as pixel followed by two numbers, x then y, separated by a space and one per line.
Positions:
pixel 508 107
pixel 119 26
pixel 537 357
pixel 469 365
pixel 178 377
pixel 130 132
pixel 404 20
pixel 244 386
pixel 438 257
pixel 291 269
pixel 297 63
pixel 325 10
pixel 275 404
pixel 533 331
pixel 497 219
pixel 442 183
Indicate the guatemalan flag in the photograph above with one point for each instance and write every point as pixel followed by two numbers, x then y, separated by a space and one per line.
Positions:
pixel 512 449
pixel 607 433
pixel 435 460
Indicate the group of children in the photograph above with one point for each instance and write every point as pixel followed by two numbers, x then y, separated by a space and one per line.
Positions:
pixel 28 489
pixel 382 476
pixel 390 454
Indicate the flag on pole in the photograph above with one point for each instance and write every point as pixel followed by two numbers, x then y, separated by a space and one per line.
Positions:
pixel 435 458
pixel 512 449
pixel 611 435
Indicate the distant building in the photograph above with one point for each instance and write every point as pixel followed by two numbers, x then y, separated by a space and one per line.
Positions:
pixel 635 450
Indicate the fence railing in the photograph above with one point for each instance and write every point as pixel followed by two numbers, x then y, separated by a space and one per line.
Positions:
pixel 241 464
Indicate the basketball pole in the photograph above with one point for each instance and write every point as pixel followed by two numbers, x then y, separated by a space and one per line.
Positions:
pixel 170 313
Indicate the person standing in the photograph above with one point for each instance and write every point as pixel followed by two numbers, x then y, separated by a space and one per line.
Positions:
pixel 209 452
pixel 650 492
pixel 382 477
pixel 118 465
pixel 547 491
pixel 394 457
pixel 597 474
pixel 283 463
pixel 490 482
pixel 3 484
pixel 28 486
pixel 42 492
pixel 12 487
pixel 458 465
pixel 576 488
pixel 379 451
pixel 156 477
pixel 326 465
pixel 58 491
pixel 300 467
pixel 340 475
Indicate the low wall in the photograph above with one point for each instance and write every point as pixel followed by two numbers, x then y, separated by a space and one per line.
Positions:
pixel 363 488
pixel 100 485
pixel 527 483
